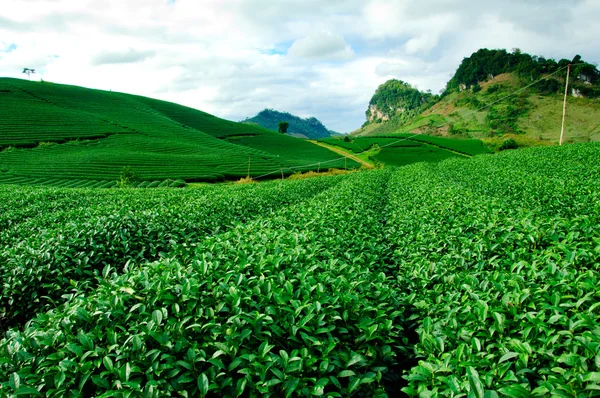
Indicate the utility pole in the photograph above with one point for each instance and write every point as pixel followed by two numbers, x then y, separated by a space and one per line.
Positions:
pixel 281 174
pixel 248 167
pixel 562 131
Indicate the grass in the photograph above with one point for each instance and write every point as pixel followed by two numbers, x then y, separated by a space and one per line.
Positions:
pixel 70 133
pixel 313 174
pixel 543 122
pixel 246 180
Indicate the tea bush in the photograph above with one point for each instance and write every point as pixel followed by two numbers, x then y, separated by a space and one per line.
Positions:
pixel 469 277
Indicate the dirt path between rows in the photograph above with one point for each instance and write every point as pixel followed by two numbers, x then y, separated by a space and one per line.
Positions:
pixel 343 153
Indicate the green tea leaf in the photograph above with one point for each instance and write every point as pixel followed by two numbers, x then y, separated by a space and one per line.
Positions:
pixel 241 385
pixel 14 381
pixel 475 383
pixel 203 384
pixel 346 373
pixel 27 392
pixel 290 387
pixel 157 316
pixel 507 356
pixel 592 376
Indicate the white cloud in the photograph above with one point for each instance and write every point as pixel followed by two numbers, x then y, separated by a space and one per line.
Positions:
pixel 211 54
pixel 422 43
pixel 322 45
pixel 121 57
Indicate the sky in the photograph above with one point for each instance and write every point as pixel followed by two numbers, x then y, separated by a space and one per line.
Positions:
pixel 321 58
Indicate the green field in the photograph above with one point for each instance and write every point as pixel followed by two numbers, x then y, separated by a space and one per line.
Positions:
pixel 466 277
pixel 403 149
pixel 402 156
pixel 361 144
pixel 52 134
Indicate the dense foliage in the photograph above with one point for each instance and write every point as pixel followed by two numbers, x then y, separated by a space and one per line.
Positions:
pixel 396 99
pixel 53 134
pixel 310 127
pixel 474 277
pixel 81 233
pixel 499 261
pixel 485 64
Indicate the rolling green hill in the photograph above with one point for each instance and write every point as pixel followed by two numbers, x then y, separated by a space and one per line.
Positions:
pixel 309 128
pixel 487 99
pixel 403 149
pixel 60 135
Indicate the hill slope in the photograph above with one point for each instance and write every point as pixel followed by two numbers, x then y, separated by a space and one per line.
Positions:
pixel 310 127
pixel 67 135
pixel 404 149
pixel 478 103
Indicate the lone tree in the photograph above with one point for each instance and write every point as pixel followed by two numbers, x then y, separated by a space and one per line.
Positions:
pixel 28 71
pixel 283 126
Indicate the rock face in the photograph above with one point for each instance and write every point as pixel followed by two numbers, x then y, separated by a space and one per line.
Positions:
pixel 377 115
pixel 585 79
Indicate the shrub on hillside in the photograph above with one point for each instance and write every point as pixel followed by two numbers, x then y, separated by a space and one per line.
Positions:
pixel 509 144
pixel 178 184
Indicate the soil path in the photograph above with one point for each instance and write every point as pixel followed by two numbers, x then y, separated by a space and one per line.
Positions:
pixel 343 153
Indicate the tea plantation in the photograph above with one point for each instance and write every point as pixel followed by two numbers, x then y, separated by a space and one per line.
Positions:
pixel 467 277
pixel 69 136
pixel 403 149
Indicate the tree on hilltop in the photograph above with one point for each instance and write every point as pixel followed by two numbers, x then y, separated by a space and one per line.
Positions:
pixel 28 72
pixel 283 126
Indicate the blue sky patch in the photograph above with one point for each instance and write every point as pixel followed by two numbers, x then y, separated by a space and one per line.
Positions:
pixel 10 48
pixel 278 49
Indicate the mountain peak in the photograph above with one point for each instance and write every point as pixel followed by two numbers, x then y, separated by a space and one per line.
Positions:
pixel 310 127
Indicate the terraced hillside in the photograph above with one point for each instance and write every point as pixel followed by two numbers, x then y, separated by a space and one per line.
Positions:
pixel 404 149
pixel 72 136
pixel 467 278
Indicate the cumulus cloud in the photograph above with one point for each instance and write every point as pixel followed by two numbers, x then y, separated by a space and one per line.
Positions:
pixel 233 58
pixel 322 45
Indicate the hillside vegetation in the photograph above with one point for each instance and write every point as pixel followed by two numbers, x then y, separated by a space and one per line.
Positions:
pixel 403 149
pixel 479 103
pixel 308 128
pixel 468 277
pixel 395 102
pixel 61 135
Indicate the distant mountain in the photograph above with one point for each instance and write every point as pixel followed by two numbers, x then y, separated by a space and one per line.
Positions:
pixel 309 128
pixel 487 99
